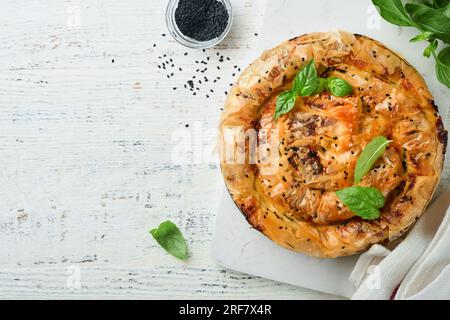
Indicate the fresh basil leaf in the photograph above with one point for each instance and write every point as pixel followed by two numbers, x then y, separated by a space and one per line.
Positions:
pixel 394 12
pixel 425 2
pixel 446 10
pixel 306 81
pixel 440 3
pixel 423 36
pixel 430 49
pixel 430 19
pixel 365 202
pixel 285 103
pixel 321 85
pixel 443 66
pixel 170 238
pixel 373 150
pixel 339 87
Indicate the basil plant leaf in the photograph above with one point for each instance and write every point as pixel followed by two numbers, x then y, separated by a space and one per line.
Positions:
pixel 425 2
pixel 446 10
pixel 430 49
pixel 306 81
pixel 371 153
pixel 170 238
pixel 443 66
pixel 285 103
pixel 438 4
pixel 394 12
pixel 423 36
pixel 431 20
pixel 339 87
pixel 365 202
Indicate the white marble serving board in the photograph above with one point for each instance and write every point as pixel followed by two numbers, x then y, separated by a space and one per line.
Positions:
pixel 236 245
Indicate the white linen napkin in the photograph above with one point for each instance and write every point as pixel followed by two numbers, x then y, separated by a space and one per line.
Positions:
pixel 419 266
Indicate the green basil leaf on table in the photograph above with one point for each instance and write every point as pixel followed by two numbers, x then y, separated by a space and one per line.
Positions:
pixel 305 82
pixel 371 153
pixel 430 49
pixel 423 36
pixel 394 12
pixel 365 202
pixel 170 238
pixel 443 66
pixel 285 103
pixel 339 87
pixel 431 20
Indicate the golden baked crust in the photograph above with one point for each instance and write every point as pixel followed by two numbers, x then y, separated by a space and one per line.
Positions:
pixel 321 138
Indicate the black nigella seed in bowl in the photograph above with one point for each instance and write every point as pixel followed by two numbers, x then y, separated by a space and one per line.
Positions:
pixel 201 20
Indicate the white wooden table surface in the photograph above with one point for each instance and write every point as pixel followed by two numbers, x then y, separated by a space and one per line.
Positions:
pixel 89 130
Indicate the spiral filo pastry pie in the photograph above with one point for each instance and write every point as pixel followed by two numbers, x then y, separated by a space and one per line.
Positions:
pixel 319 141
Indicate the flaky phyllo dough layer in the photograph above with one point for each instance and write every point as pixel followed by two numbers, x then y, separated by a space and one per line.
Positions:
pixel 320 140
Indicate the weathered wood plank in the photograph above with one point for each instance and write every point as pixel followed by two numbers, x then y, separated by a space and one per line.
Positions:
pixel 88 121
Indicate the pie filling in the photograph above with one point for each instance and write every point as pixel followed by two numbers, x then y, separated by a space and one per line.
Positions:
pixel 321 139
